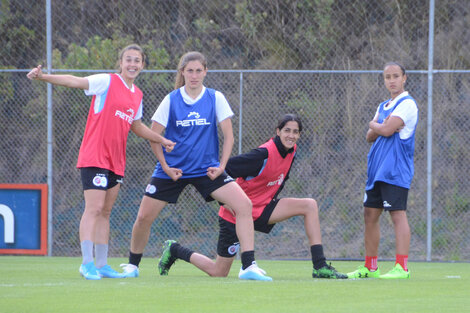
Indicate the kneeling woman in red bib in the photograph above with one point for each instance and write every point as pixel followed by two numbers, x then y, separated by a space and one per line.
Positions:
pixel 261 173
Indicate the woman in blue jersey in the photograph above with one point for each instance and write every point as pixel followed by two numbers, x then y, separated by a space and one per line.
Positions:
pixel 389 173
pixel 262 174
pixel 189 116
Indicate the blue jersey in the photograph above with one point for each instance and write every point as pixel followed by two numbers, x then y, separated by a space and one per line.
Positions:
pixel 390 159
pixel 194 129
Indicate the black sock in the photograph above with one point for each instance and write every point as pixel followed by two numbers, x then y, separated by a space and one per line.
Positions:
pixel 180 252
pixel 248 257
pixel 318 258
pixel 134 258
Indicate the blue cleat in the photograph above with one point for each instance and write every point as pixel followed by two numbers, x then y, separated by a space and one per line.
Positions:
pixel 89 271
pixel 253 272
pixel 107 272
pixel 130 270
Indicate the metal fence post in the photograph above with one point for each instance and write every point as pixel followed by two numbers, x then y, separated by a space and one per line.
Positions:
pixel 240 130
pixel 49 130
pixel 429 131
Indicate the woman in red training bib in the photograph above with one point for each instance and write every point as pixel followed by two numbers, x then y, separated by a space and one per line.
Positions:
pixel 116 108
pixel 262 174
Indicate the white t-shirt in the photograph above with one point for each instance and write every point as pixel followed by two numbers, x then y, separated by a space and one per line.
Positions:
pixel 222 108
pixel 407 111
pixel 98 85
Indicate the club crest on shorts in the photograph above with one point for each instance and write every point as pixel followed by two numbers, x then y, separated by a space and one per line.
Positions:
pixel 151 189
pixel 100 181
pixel 233 249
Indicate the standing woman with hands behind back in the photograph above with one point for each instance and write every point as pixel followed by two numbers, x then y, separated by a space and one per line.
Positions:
pixel 116 108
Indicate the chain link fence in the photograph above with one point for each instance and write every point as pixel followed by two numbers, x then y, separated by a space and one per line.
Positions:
pixel 347 44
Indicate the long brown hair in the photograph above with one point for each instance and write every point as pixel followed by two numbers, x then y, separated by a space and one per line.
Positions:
pixel 185 59
pixel 133 46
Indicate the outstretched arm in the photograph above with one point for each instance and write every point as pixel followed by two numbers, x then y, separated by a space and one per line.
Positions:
pixel 60 80
pixel 141 130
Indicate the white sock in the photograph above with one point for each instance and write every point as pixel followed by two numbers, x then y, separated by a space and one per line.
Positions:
pixel 101 255
pixel 87 251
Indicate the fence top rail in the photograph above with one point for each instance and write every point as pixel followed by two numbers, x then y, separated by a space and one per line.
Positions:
pixel 245 71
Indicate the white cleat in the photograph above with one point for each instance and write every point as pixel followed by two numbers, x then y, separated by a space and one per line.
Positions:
pixel 253 272
pixel 130 270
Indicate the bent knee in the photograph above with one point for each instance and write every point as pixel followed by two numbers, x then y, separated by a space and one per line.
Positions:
pixel 218 273
pixel 312 206
pixel 244 206
pixel 246 203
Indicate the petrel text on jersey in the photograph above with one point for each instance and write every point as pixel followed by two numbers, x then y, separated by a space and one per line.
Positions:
pixel 129 118
pixel 197 121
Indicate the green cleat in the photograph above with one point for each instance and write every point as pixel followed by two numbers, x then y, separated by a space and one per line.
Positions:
pixel 328 271
pixel 397 272
pixel 363 272
pixel 167 260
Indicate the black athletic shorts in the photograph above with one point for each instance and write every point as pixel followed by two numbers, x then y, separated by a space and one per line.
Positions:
pixel 99 178
pixel 228 244
pixel 168 190
pixel 386 196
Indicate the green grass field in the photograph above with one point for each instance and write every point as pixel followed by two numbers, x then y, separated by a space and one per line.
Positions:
pixel 43 284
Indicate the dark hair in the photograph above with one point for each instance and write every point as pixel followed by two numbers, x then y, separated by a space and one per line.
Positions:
pixel 133 46
pixel 403 71
pixel 185 59
pixel 287 118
